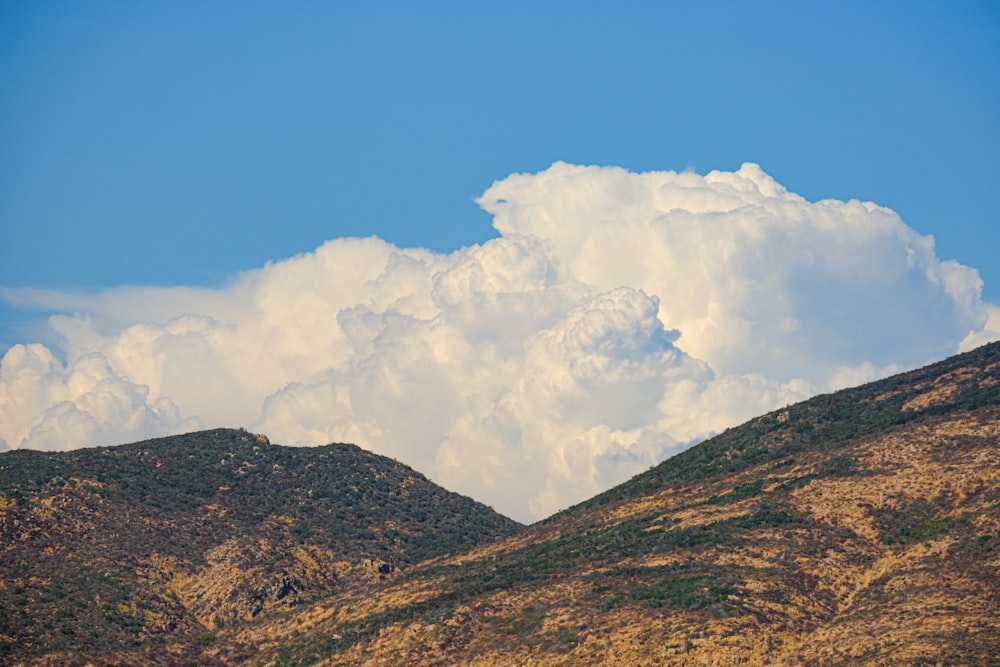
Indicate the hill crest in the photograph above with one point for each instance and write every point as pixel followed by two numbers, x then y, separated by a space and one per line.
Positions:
pixel 182 536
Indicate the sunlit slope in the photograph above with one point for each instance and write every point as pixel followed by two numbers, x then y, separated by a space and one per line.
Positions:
pixel 861 527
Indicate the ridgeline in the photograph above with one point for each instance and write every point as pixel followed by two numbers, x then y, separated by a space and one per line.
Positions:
pixel 856 528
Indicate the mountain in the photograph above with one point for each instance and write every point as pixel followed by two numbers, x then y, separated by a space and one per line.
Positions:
pixel 856 528
pixel 170 540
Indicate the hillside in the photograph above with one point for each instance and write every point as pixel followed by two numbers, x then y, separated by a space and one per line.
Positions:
pixel 856 528
pixel 118 548
pixel 860 528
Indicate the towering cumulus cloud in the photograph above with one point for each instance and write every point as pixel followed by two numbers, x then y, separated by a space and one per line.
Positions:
pixel 618 318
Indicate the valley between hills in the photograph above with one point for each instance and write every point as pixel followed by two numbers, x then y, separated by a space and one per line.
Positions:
pixel 856 528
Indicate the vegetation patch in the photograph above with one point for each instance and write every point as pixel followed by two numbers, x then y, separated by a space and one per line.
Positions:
pixel 912 520
pixel 691 587
pixel 739 493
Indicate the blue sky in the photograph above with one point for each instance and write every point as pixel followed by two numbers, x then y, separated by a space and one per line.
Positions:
pixel 588 235
pixel 176 143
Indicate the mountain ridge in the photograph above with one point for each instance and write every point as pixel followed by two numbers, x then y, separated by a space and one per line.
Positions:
pixel 858 527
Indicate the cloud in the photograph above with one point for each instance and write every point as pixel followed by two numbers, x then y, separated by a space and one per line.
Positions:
pixel 988 333
pixel 48 406
pixel 754 277
pixel 618 318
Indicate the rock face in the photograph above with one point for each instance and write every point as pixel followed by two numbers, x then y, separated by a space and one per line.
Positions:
pixel 133 547
pixel 860 528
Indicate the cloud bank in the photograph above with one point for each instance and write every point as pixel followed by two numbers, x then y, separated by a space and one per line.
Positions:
pixel 619 318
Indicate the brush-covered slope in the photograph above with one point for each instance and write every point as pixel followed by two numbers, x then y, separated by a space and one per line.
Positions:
pixel 112 549
pixel 857 528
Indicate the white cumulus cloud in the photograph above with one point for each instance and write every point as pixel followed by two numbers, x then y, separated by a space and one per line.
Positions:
pixel 618 318
pixel 49 406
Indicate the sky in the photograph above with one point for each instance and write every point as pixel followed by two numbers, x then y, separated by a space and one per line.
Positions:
pixel 530 249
